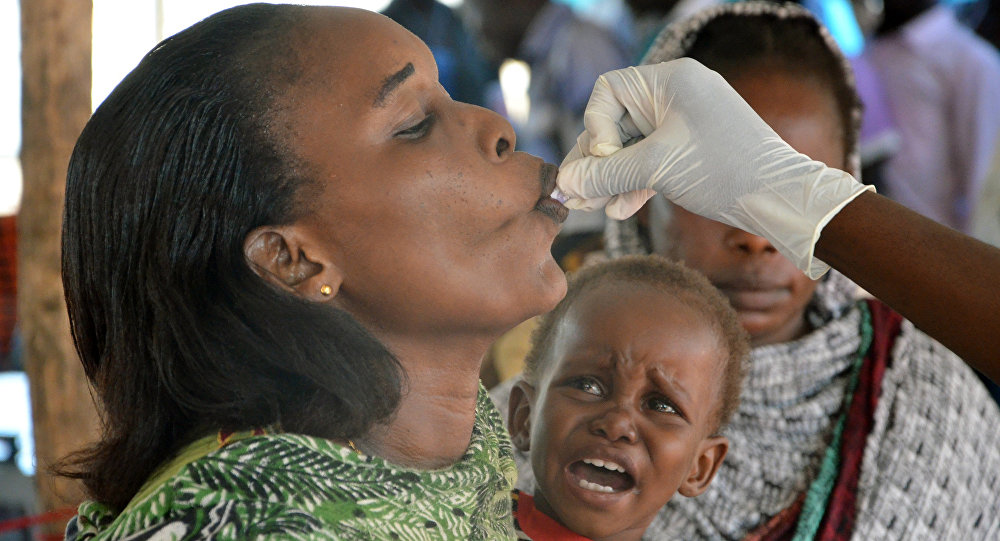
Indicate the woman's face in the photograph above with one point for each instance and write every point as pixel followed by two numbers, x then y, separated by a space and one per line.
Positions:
pixel 769 293
pixel 433 220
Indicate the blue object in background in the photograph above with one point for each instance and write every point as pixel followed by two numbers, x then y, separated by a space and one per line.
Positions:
pixel 970 12
pixel 613 15
pixel 15 418
pixel 838 17
pixel 579 5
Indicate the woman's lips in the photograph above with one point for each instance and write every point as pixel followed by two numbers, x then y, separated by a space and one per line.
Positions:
pixel 756 298
pixel 546 204
pixel 547 174
pixel 553 209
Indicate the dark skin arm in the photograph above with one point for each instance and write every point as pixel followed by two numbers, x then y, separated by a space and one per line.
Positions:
pixel 946 283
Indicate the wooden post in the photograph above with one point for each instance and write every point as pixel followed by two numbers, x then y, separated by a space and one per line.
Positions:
pixel 56 50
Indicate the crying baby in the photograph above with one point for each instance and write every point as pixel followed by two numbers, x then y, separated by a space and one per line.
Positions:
pixel 626 388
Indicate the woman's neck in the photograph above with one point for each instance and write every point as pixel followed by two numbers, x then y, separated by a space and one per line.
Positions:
pixel 433 425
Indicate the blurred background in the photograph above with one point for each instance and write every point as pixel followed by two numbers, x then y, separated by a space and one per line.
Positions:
pixel 532 60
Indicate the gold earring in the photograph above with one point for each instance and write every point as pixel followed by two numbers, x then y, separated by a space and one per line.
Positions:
pixel 326 290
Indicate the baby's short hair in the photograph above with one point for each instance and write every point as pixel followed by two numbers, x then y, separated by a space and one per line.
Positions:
pixel 690 287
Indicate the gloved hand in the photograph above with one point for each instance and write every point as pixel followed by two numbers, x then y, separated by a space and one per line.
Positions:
pixel 705 149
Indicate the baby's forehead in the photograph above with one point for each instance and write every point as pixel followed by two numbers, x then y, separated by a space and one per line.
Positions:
pixel 608 301
pixel 631 315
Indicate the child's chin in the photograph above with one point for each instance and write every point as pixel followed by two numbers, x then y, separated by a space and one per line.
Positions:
pixel 603 525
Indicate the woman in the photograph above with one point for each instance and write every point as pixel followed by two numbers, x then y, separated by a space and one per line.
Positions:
pixel 286 250
pixel 834 438
pixel 697 129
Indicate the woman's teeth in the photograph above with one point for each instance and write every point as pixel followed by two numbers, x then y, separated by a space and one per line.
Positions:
pixel 608 465
pixel 595 487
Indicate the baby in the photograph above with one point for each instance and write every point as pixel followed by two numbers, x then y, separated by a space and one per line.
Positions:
pixel 628 383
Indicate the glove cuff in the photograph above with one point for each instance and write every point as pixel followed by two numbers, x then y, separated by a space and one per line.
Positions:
pixel 815 267
pixel 792 216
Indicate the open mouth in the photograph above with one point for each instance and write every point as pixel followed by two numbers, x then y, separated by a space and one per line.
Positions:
pixel 601 476
pixel 546 204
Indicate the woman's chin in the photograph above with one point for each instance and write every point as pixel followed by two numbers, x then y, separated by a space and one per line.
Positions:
pixel 555 278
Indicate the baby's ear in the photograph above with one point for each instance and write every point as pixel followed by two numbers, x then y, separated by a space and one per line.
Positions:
pixel 522 397
pixel 710 454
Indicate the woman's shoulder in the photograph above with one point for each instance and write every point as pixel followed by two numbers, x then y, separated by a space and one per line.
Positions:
pixel 259 485
pixel 930 463
pixel 302 486
pixel 938 391
pixel 218 517
pixel 919 360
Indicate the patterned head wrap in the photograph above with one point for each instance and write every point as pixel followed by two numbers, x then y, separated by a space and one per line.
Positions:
pixel 623 237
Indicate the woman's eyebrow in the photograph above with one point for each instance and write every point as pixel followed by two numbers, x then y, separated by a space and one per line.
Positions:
pixel 391 83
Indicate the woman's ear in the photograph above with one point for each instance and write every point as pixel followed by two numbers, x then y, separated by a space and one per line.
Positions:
pixel 282 257
pixel 710 454
pixel 522 397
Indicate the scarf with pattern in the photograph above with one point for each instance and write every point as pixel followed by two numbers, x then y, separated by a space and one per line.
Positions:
pixel 291 486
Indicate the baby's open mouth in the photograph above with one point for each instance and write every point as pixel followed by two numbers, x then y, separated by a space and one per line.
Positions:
pixel 601 475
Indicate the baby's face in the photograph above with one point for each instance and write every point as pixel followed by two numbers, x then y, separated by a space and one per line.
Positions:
pixel 623 413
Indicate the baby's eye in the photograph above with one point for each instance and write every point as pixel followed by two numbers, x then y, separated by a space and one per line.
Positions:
pixel 661 405
pixel 417 130
pixel 588 385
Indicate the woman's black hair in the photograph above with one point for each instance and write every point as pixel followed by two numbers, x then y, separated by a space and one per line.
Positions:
pixel 177 335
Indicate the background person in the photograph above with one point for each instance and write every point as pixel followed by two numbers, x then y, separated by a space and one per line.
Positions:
pixel 781 195
pixel 462 68
pixel 942 84
pixel 833 438
pixel 565 54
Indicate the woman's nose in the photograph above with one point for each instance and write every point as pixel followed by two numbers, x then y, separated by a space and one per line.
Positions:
pixel 494 135
pixel 615 424
pixel 747 244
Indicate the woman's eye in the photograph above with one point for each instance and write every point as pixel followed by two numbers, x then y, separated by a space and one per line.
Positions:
pixel 661 405
pixel 587 385
pixel 418 130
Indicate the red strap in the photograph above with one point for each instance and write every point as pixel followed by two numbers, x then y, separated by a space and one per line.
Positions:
pixel 23 523
pixel 781 526
pixel 838 522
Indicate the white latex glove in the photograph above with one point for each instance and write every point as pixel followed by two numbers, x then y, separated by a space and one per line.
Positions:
pixel 704 149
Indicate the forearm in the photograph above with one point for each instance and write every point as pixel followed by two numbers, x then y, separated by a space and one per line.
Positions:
pixel 946 283
pixel 695 127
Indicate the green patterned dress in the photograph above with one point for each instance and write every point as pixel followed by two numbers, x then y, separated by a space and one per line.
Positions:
pixel 287 486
